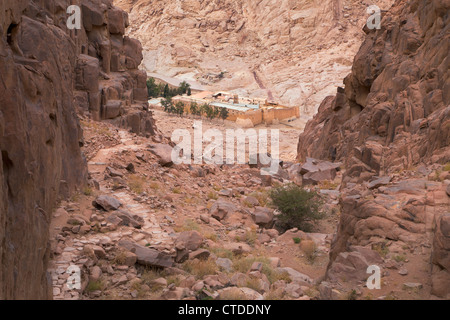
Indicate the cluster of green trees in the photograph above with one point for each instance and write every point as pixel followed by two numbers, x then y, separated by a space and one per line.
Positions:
pixel 204 110
pixel 170 107
pixel 160 90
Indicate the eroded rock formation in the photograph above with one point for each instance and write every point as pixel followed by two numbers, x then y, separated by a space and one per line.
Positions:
pixel 393 115
pixel 394 111
pixel 293 52
pixel 48 74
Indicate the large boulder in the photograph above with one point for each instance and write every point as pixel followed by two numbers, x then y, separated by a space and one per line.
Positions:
pixel 147 256
pixel 314 171
pixel 163 152
pixel 107 203
pixel 352 266
pixel 221 208
pixel 263 217
pixel 192 240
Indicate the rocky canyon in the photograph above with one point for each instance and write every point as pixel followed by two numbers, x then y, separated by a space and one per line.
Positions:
pixel 94 206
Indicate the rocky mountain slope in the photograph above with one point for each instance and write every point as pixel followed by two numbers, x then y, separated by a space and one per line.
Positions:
pixel 47 74
pixel 293 52
pixel 390 127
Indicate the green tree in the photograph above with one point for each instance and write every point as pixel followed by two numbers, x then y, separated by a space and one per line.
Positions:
pixel 216 112
pixel 298 207
pixel 152 88
pixel 194 109
pixel 203 109
pixel 184 87
pixel 168 105
pixel 224 113
pixel 167 91
pixel 189 91
pixel 160 90
pixel 209 111
pixel 179 108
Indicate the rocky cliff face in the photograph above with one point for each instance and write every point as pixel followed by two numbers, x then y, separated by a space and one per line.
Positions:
pixel 392 120
pixel 394 110
pixel 47 74
pixel 293 52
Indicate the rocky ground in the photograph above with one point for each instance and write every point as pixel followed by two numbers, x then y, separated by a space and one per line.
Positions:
pixel 146 229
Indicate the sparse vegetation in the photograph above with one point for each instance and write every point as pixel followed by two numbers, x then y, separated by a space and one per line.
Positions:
pixel 136 183
pixel 251 236
pixel 222 253
pixel 328 185
pixel 243 264
pixel 212 196
pixel 188 225
pixel 154 185
pixel 200 268
pixel 262 196
pixel 298 206
pixel 120 258
pixel 352 295
pixel 87 191
pixel 400 258
pixel 381 248
pixel 297 240
pixel 253 283
pixel 277 294
pixel 310 249
pixel 98 285
pixel 446 167
pixel 232 295
pixel 151 274
pixel 176 190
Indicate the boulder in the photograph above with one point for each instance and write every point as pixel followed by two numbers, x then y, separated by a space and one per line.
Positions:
pixel 95 274
pixel 182 254
pixel 116 21
pixel 221 208
pixel 112 109
pixel 379 182
pixel 201 254
pixel 124 218
pixel 107 203
pixel 192 240
pixel 146 256
pixel 225 264
pixel 352 266
pixel 263 217
pixel 163 152
pixel 237 247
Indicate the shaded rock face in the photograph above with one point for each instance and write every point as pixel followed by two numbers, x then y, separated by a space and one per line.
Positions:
pixel 48 74
pixel 395 109
pixel 394 113
pixel 109 85
pixel 39 142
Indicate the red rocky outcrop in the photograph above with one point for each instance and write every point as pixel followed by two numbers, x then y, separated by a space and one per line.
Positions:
pixel 47 74
pixel 393 114
pixel 395 109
